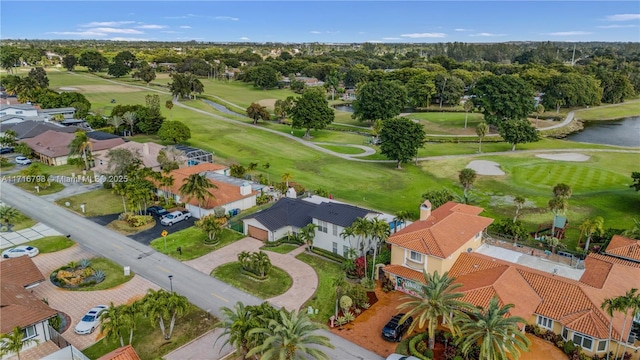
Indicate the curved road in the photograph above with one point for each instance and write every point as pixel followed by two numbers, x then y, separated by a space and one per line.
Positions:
pixel 202 290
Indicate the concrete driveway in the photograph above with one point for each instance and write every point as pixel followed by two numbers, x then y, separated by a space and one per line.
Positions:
pixel 305 279
pixel 76 303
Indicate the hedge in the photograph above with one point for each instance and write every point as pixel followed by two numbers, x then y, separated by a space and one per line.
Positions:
pixel 328 254
pixel 412 346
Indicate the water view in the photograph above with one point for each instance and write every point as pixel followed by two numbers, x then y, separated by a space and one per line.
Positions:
pixel 625 132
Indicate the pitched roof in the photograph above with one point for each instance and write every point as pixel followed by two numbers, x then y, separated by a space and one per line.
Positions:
pixel 28 129
pixel 122 353
pixel 18 307
pixel 223 194
pixel 56 143
pixel 624 247
pixel 444 232
pixel 20 271
pixel 285 212
pixel 146 152
pixel 101 135
pixel 337 213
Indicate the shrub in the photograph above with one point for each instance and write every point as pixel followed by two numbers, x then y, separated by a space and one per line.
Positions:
pixel 328 254
pixel 345 303
pixel 412 346
pixel 99 275
pixel 428 353
pixel 449 352
pixel 358 294
pixel 341 320
pixel 358 311
pixel 349 317
pixel 422 346
pixel 366 305
pixel 387 284
pixel 569 347
pixel 84 263
pixel 368 283
pixel 56 322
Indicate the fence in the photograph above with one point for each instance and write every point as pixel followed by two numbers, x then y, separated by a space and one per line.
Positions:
pixel 57 338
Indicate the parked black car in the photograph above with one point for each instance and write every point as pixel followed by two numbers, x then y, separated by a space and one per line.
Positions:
pixel 6 150
pixel 394 329
pixel 157 211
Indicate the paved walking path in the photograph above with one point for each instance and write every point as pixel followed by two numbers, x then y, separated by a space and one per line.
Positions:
pixel 305 279
pixel 205 347
pixel 13 238
pixel 367 150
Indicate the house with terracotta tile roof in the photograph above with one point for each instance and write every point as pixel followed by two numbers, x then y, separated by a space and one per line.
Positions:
pixel 18 306
pixel 229 193
pixel 624 248
pixel 52 147
pixel 567 307
pixel 122 353
pixel 147 153
pixel 434 242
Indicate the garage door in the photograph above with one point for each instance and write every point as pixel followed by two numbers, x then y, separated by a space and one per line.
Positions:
pixel 258 233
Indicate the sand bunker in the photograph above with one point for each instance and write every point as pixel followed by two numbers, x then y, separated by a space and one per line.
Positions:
pixel 69 89
pixel 565 157
pixel 485 167
pixel 269 103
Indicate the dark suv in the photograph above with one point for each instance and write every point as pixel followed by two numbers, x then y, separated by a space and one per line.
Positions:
pixel 157 211
pixel 394 329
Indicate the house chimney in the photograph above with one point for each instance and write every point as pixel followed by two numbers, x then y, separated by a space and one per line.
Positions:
pixel 145 148
pixel 425 210
pixel 245 188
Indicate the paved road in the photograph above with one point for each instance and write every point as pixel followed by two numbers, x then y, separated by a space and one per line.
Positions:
pixel 204 291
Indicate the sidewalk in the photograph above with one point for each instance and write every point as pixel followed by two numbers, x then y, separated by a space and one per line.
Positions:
pixel 205 347
pixel 38 231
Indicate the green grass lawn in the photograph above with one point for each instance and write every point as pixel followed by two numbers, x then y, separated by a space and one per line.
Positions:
pixel 343 149
pixel 51 244
pixel 191 240
pixel 29 187
pixel 241 93
pixel 627 109
pixel 147 337
pixel 280 249
pixel 276 284
pixel 325 297
pixel 98 202
pixel 114 275
pixel 447 122
pixel 20 222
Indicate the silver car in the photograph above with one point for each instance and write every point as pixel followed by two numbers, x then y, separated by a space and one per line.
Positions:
pixel 90 321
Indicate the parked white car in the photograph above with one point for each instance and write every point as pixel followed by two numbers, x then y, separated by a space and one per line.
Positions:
pixel 90 321
pixel 20 251
pixel 21 160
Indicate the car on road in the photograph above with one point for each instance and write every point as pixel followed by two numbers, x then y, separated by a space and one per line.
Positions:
pixel 157 211
pixel 6 150
pixel 175 217
pixel 21 160
pixel 90 321
pixel 20 251
pixel 394 329
pixel 401 357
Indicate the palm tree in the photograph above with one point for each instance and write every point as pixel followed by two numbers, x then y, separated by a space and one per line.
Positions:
pixel 166 182
pixel 439 299
pixel 467 177
pixel 554 242
pixel 625 303
pixel 14 342
pixel 519 201
pixel 289 336
pixel 115 121
pixel 8 214
pixel 362 228
pixel 401 218
pixel 81 145
pixel 376 129
pixel 197 186
pixel 286 177
pixel 482 129
pixel 266 167
pixel 111 322
pixel 332 82
pixel 348 233
pixel 236 325
pixel 251 168
pixel 380 232
pixel 494 331
pixel 169 105
pixel 130 315
pixel 130 119
pixel 562 191
pixel 468 106
pixel 155 308
pixel 339 283
pixel 177 305
pixel 307 234
pixel 590 227
pixel 610 306
pixel 261 262
pixel 539 111
pixel 634 232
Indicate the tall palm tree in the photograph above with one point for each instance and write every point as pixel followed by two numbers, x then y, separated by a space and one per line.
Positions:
pixel 14 342
pixel 610 306
pixel 629 302
pixel 81 145
pixel 130 315
pixel 494 331
pixel 266 167
pixel 154 305
pixel 286 177
pixel 112 322
pixel 197 186
pixel 591 226
pixel 439 299
pixel 519 201
pixel 380 232
pixel 177 305
pixel 261 262
pixel 468 106
pixel 115 121
pixel 237 323
pixel 482 129
pixel 562 191
pixel 289 336
pixel 633 232
pixel 307 234
pixel 539 111
pixel 400 218
pixel 251 168
pixel 130 119
pixel 166 182
pixel 362 228
pixel 339 283
pixel 467 177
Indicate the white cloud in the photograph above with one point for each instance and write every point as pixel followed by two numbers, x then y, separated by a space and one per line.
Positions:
pixel 486 34
pixel 244 38
pixel 316 32
pixel 226 18
pixel 459 29
pixel 424 35
pixel 617 26
pixel 110 30
pixel 391 38
pixel 568 33
pixel 106 23
pixel 127 39
pixel 185 27
pixel 170 32
pixel 623 17
pixel 151 26
pixel 78 33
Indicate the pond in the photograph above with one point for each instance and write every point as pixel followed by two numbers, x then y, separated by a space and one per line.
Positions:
pixel 346 108
pixel 625 132
pixel 222 108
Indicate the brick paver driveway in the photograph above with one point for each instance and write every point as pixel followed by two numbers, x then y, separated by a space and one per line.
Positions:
pixel 305 279
pixel 76 303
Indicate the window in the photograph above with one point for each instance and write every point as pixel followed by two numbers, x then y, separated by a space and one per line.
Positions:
pixel 322 226
pixel 29 332
pixel 602 345
pixel 565 333
pixel 585 341
pixel 335 247
pixel 479 236
pixel 345 250
pixel 545 322
pixel 415 256
pixel 335 229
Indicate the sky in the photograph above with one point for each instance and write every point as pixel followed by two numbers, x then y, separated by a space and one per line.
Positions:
pixel 322 21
